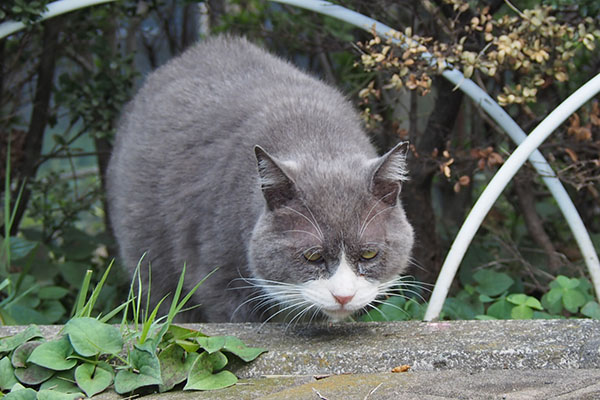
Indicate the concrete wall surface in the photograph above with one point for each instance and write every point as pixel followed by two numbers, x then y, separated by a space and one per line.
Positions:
pixel 533 359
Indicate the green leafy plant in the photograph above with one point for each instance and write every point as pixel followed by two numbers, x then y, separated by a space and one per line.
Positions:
pixel 493 296
pixel 89 355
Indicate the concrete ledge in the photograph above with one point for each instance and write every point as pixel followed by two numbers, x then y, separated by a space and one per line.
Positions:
pixel 379 347
pixel 458 359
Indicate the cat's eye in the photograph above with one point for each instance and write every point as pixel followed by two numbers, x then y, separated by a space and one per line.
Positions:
pixel 313 255
pixel 368 254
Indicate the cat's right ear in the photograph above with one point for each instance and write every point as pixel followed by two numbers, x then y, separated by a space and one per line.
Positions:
pixel 277 187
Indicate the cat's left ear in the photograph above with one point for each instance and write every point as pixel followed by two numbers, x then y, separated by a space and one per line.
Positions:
pixel 389 173
pixel 277 187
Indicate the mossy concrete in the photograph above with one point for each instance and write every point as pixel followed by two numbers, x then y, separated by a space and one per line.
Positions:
pixel 538 359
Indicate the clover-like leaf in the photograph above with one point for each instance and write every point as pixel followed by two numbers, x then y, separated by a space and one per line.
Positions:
pixel 201 375
pixel 567 283
pixel 12 342
pixel 90 337
pixel 33 374
pixel 211 343
pixel 48 394
pixel 21 394
pixel 145 371
pixel 94 378
pixel 518 298
pixel 572 300
pixel 532 302
pixel 237 347
pixel 492 283
pixel 53 355
pixel 218 360
pixel 22 353
pixel 62 381
pixel 7 374
pixel 175 365
pixel 591 309
pixel 501 309
pixel 210 381
pixel 190 347
pixel 521 312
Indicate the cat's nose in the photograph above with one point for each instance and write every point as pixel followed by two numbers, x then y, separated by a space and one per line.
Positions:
pixel 343 299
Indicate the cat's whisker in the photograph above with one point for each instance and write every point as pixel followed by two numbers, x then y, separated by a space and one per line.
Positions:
pixel 372 219
pixel 382 302
pixel 315 220
pixel 376 309
pixel 413 261
pixel 289 308
pixel 314 225
pixel 362 227
pixel 299 315
pixel 410 298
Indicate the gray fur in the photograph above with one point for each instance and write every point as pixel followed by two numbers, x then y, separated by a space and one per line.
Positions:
pixel 183 184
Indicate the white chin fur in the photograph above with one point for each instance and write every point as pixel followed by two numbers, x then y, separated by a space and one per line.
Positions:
pixel 344 282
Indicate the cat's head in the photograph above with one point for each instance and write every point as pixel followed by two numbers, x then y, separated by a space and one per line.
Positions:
pixel 333 235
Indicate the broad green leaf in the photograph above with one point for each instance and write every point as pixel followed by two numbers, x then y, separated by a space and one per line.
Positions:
pixel 94 378
pixel 201 369
pixel 485 298
pixel 237 347
pixel 554 295
pixel 492 283
pixel 90 337
pixel 218 360
pixel 176 332
pixel 22 394
pixel 532 302
pixel 211 343
pixel 73 272
pixel 26 314
pixel 572 300
pixel 485 318
pixel 522 312
pixel 591 309
pixel 501 309
pixel 147 373
pixel 33 374
pixel 190 347
pixel 20 247
pixel 53 355
pixel 556 306
pixel 53 310
pixel 53 293
pixel 544 315
pixel 209 381
pixel 458 309
pixel 12 342
pixel 22 353
pixel 62 381
pixel 7 375
pixel 47 394
pixel 175 365
pixel 518 299
pixel 567 283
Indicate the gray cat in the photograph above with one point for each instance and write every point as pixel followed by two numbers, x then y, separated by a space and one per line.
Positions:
pixel 230 157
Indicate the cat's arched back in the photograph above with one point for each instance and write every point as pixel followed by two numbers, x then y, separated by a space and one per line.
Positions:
pixel 230 157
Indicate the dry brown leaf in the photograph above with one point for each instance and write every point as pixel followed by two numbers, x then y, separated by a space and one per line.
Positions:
pixel 401 368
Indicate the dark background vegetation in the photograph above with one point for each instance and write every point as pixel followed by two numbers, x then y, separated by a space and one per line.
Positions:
pixel 64 82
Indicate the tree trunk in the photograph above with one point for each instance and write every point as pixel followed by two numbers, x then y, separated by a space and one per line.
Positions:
pixel 427 253
pixel 39 115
